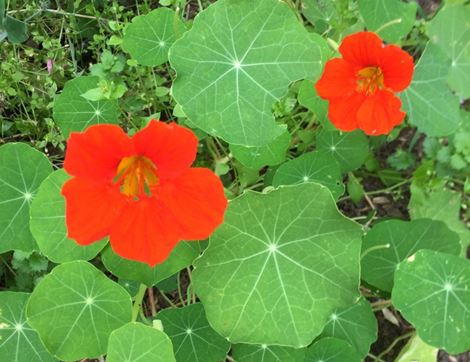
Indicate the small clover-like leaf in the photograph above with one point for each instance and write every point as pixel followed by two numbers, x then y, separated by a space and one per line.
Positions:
pixel 278 266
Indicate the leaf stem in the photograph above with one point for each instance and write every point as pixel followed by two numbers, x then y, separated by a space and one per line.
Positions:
pixel 138 301
pixel 372 248
pixel 390 23
pixel 394 343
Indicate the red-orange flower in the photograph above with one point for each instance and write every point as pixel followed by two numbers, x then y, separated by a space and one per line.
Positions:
pixel 360 86
pixel 139 190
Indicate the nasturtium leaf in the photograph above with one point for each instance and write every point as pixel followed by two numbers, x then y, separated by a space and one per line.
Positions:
pixel 136 342
pixel 331 350
pixel 350 149
pixel 278 266
pixel 255 158
pixel 450 30
pixel 416 350
pixel 320 11
pixel 149 36
pixel 16 29
pixel 22 169
pixel 236 61
pixel 47 223
pixel 181 257
pixel 428 101
pixel 404 238
pixel 315 166
pixel 308 97
pixel 75 308
pixel 192 337
pixel 432 291
pixel 72 112
pixel 265 353
pixel 440 204
pixel 355 324
pixel 18 341
pixel 391 19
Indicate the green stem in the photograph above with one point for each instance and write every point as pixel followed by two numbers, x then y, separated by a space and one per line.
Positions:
pixel 390 23
pixel 372 248
pixel 180 292
pixel 394 343
pixel 138 301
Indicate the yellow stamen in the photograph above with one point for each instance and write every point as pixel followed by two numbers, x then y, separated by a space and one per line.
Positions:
pixel 136 175
pixel 369 80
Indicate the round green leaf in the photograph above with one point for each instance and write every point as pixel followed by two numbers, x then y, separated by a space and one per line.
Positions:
pixel 331 350
pixel 75 308
pixel 72 112
pixel 432 291
pixel 265 353
pixel 405 238
pixel 278 266
pixel 136 342
pixel 149 36
pixel 355 324
pixel 428 101
pixel 22 169
pixel 440 204
pixel 192 336
pixel 392 19
pixel 181 256
pixel 350 149
pixel 318 167
pixel 48 227
pixel 236 61
pixel 18 342
pixel 449 30
pixel 255 158
pixel 308 97
pixel 16 29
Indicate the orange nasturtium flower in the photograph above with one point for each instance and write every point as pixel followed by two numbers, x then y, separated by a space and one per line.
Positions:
pixel 139 190
pixel 361 86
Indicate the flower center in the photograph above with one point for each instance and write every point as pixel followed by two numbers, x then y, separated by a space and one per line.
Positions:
pixel 136 175
pixel 370 79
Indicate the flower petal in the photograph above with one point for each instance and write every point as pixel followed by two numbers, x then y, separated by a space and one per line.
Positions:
pixel 197 201
pixel 90 209
pixel 397 67
pixel 338 79
pixel 342 112
pixel 171 147
pixel 95 153
pixel 380 113
pixel 362 49
pixel 144 232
